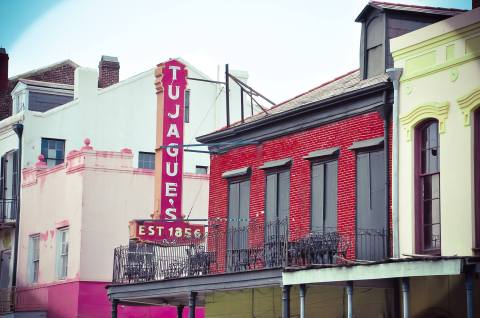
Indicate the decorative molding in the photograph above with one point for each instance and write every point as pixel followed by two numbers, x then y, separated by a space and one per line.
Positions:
pixel 468 103
pixel 453 74
pixel 437 110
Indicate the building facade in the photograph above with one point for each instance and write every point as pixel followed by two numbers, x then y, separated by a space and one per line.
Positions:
pixel 300 218
pixel 438 147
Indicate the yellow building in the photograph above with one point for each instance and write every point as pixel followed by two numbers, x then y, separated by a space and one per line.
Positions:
pixel 439 157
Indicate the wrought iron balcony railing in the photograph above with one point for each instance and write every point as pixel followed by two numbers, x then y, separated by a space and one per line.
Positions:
pixel 8 210
pixel 7 300
pixel 242 246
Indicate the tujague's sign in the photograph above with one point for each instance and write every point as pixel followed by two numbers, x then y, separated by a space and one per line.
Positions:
pixel 170 83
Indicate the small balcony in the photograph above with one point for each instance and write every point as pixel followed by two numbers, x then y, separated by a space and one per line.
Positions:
pixel 7 300
pixel 246 247
pixel 8 211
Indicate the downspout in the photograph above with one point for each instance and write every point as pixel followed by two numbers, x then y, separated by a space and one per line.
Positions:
pixel 395 74
pixel 18 129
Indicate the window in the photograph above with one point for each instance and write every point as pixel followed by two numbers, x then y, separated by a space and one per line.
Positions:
pixel 238 213
pixel 53 150
pixel 187 106
pixel 146 160
pixel 324 196
pixel 34 256
pixel 477 177
pixel 427 188
pixel 62 253
pixel 277 197
pixel 201 169
pixel 374 48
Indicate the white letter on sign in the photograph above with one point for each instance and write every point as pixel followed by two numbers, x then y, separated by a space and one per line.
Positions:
pixel 174 69
pixel 172 151
pixel 177 92
pixel 177 112
pixel 171 173
pixel 173 131
pixel 170 189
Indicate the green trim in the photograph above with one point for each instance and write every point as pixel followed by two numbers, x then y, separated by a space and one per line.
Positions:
pixel 432 43
pixel 419 113
pixel 468 104
pixel 453 74
pixel 450 52
pixel 374 271
pixel 420 62
pixel 437 68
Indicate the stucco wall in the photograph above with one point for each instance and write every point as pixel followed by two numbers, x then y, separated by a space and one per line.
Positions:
pixel 437 71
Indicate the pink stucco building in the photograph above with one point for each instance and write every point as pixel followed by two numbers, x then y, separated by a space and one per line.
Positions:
pixel 73 216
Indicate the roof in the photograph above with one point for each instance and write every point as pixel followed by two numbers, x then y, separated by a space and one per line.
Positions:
pixel 346 83
pixel 44 69
pixel 45 84
pixel 448 12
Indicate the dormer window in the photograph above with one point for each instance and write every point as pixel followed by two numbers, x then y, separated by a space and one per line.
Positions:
pixel 374 50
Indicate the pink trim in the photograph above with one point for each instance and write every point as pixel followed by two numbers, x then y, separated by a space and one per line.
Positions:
pixel 87 146
pixel 127 151
pixel 191 175
pixel 148 172
pixel 63 223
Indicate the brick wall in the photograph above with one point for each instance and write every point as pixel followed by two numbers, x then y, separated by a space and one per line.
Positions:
pixel 339 134
pixel 63 74
pixel 108 71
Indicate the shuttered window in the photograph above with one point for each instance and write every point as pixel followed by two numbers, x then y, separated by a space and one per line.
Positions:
pixel 324 196
pixel 238 214
pixel 277 197
pixel 62 253
pixel 34 258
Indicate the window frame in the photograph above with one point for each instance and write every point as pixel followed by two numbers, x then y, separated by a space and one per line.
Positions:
pixel 146 153
pixel 34 263
pixel 45 155
pixel 62 254
pixel 197 167
pixel 322 161
pixel 186 114
pixel 418 186
pixel 476 158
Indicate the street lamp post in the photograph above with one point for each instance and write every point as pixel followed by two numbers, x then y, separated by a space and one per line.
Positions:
pixel 18 129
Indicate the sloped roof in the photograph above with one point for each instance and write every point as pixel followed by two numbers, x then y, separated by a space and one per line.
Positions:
pixel 408 8
pixel 346 83
pixel 43 69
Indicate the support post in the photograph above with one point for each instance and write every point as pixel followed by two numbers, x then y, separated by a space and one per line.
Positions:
pixel 350 299
pixel 192 303
pixel 227 94
pixel 286 301
pixel 180 311
pixel 303 292
pixel 241 105
pixel 469 290
pixel 405 297
pixel 114 308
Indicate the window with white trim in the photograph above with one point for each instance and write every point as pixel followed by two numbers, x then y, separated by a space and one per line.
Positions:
pixel 62 253
pixel 34 256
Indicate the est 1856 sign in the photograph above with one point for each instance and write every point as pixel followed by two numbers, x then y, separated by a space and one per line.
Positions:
pixel 171 83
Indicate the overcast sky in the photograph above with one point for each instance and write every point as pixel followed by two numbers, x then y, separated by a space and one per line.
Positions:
pixel 286 46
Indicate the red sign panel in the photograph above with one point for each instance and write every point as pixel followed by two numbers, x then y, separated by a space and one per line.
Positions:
pixel 174 82
pixel 166 231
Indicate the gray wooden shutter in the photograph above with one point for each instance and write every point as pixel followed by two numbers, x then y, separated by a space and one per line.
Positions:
pixel 233 212
pixel 377 188
pixel 271 198
pixel 3 177
pixel 244 208
pixel 283 195
pixel 363 191
pixel 317 197
pixel 331 189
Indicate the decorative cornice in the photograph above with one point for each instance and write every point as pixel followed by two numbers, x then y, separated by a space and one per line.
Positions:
pixel 437 110
pixel 468 103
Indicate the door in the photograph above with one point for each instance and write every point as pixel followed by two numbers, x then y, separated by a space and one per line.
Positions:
pixel 5 269
pixel 371 215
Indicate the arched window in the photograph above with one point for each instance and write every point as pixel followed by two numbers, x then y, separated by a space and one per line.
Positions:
pixel 476 158
pixel 427 188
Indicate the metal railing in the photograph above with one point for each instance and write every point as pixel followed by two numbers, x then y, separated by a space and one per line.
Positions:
pixel 229 247
pixel 7 300
pixel 8 210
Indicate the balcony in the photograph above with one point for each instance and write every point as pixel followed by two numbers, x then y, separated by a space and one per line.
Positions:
pixel 251 246
pixel 8 211
pixel 7 300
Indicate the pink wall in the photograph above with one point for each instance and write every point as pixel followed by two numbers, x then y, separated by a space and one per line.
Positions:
pixel 77 299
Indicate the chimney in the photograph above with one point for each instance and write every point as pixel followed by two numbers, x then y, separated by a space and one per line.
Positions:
pixel 108 71
pixel 3 69
pixel 475 4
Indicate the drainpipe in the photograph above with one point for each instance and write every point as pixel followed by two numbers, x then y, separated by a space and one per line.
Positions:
pixel 114 308
pixel 394 74
pixel 286 301
pixel 192 303
pixel 469 290
pixel 303 291
pixel 350 299
pixel 406 299
pixel 18 129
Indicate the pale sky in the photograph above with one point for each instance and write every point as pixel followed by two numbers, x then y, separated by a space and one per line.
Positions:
pixel 286 46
